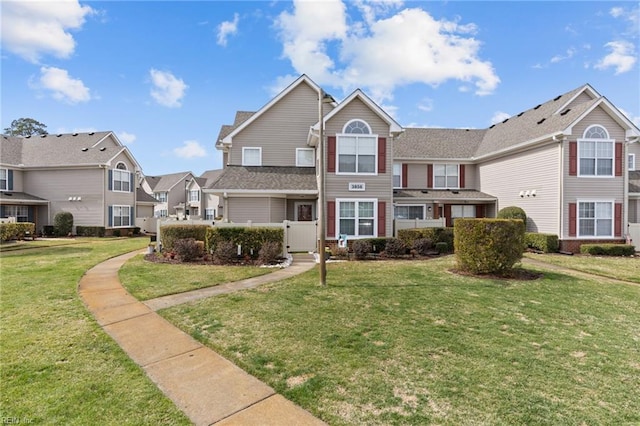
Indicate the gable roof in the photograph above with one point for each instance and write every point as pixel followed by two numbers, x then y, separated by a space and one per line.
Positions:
pixel 63 150
pixel 143 197
pixel 434 143
pixel 267 178
pixel 226 129
pixel 237 129
pixel 165 183
pixel 210 176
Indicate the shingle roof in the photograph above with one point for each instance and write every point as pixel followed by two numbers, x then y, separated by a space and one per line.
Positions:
pixel 210 177
pixel 143 197
pixel 164 183
pixel 266 179
pixel 18 197
pixel 440 194
pixel 241 117
pixel 431 143
pixel 76 149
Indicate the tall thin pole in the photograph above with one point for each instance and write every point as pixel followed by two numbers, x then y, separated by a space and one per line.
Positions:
pixel 321 196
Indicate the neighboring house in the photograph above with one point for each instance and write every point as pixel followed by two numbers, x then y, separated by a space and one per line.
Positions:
pixel 567 162
pixel 210 207
pixel 170 191
pixel 91 175
pixel 145 211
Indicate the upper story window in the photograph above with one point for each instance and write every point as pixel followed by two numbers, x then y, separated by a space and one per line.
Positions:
pixel 4 180
pixel 305 157
pixel 121 178
pixel 357 149
pixel 252 156
pixel 631 162
pixel 446 176
pixel 161 196
pixel 194 195
pixel 595 152
pixel 397 175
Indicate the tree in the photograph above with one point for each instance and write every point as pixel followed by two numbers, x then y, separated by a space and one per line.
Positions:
pixel 25 127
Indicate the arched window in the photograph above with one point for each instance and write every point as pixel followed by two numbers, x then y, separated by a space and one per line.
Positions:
pixel 357 127
pixel 121 166
pixel 121 178
pixel 596 132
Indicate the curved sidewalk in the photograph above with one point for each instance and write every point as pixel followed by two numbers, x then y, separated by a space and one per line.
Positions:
pixel 208 388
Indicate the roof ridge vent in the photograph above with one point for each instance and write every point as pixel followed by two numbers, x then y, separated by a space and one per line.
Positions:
pixel 565 111
pixel 103 148
pixel 505 120
pixel 557 97
pixel 43 136
pixel 537 106
pixel 74 134
pixel 520 115
pixel 85 149
pixel 92 133
pixel 541 121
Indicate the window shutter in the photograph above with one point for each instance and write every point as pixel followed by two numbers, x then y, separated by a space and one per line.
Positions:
pixel 405 175
pixel 2 213
pixel 132 213
pixel 447 214
pixel 9 180
pixel 30 213
pixel 382 155
pixel 331 154
pixel 110 181
pixel 436 211
pixel 572 219
pixel 573 158
pixel 382 214
pixel 617 224
pixel 131 189
pixel 110 219
pixel 429 175
pixel 479 211
pixel 618 159
pixel 331 218
pixel 461 167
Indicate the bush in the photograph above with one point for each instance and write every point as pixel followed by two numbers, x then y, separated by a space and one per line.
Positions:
pixel 395 248
pixel 16 230
pixel 442 247
pixel 250 239
pixel 361 248
pixel 188 249
pixel 608 249
pixel 378 244
pixel 48 231
pixel 512 212
pixel 488 246
pixel 547 243
pixel 436 235
pixel 270 252
pixel 422 246
pixel 171 233
pixel 225 252
pixel 63 223
pixel 90 231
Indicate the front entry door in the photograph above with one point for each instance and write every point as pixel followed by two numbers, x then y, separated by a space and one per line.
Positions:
pixel 304 212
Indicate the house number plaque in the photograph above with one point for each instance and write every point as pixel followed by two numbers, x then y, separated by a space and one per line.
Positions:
pixel 356 186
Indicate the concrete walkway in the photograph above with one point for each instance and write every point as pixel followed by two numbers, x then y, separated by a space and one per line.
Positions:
pixel 208 388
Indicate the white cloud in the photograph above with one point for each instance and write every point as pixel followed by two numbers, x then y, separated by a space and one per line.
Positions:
pixel 381 54
pixel 622 57
pixel 426 105
pixel 190 149
pixel 499 116
pixel 167 90
pixel 126 137
pixel 568 55
pixel 31 29
pixel 63 87
pixel 227 28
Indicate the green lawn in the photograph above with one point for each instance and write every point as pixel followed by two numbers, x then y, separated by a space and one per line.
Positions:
pixel 400 342
pixel 622 268
pixel 147 280
pixel 57 365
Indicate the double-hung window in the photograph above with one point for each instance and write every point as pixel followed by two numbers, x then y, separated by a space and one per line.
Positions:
pixel 209 214
pixel 595 153
pixel 357 149
pixel 161 196
pixel 397 175
pixel 121 216
pixel 445 176
pixel 631 162
pixel 251 156
pixel 305 157
pixel 357 217
pixel 194 195
pixel 409 212
pixel 121 178
pixel 595 219
pixel 4 180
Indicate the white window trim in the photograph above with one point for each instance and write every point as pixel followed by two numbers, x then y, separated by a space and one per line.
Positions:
pixel 613 219
pixel 424 213
pixel 259 155
pixel 400 174
pixel 6 180
pixel 113 216
pixel 631 162
pixel 298 150
pixel 357 135
pixel 445 176
pixel 209 214
pixel 358 200
pixel 127 181
pixel 613 152
pixel 348 123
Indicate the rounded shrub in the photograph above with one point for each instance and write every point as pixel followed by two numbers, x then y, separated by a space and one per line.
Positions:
pixel 63 223
pixel 361 248
pixel 512 212
pixel 488 246
pixel 270 252
pixel 395 247
pixel 423 246
pixel 188 249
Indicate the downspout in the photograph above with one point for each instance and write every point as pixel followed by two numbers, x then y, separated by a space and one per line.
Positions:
pixel 625 191
pixel 561 146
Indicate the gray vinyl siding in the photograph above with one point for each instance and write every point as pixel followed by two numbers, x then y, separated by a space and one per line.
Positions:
pixel 417 175
pixel 242 210
pixel 280 129
pixel 58 185
pixel 537 169
pixel 377 187
pixel 17 180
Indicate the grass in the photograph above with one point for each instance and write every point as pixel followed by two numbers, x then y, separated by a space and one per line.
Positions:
pixel 411 343
pixel 147 280
pixel 58 366
pixel 622 268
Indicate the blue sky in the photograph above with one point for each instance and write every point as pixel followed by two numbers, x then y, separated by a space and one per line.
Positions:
pixel 165 75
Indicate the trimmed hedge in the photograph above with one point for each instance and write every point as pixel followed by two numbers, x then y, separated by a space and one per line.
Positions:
pixel 512 212
pixel 488 246
pixel 90 231
pixel 251 240
pixel 16 230
pixel 608 249
pixel 436 235
pixel 63 224
pixel 171 233
pixel 547 243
